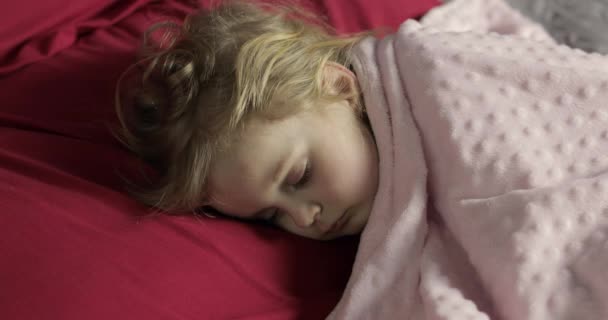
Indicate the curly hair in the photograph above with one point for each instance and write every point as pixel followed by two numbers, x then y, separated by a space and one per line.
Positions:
pixel 196 84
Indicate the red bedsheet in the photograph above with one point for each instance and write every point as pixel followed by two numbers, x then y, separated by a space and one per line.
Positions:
pixel 73 245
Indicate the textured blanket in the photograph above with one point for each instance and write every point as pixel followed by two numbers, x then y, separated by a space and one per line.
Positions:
pixel 493 191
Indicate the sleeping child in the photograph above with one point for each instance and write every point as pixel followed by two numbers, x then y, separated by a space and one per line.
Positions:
pixel 254 116
pixel 469 149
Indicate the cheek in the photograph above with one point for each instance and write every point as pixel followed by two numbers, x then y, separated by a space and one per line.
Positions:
pixel 346 159
pixel 347 172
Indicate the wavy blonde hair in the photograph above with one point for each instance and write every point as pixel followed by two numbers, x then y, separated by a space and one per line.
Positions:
pixel 196 85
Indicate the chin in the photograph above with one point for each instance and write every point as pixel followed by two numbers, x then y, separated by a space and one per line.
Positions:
pixel 354 230
pixel 358 223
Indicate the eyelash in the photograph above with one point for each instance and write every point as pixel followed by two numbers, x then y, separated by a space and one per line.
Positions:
pixel 302 182
pixel 275 215
pixel 305 177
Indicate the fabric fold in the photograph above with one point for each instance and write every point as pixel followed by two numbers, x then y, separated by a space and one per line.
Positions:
pixel 493 190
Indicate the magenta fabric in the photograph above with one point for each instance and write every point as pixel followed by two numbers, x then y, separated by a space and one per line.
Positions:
pixel 73 244
pixel 358 15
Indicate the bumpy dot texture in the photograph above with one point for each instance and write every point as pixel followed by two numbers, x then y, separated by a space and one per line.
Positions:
pixel 515 133
pixel 505 114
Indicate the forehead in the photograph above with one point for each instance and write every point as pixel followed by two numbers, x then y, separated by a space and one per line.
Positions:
pixel 259 142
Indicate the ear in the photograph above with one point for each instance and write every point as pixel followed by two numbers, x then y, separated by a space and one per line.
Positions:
pixel 339 80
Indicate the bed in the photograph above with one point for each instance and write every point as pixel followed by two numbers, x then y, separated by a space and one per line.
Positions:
pixel 73 245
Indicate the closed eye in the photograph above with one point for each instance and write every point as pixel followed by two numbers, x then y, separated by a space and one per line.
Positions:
pixel 269 215
pixel 274 216
pixel 304 178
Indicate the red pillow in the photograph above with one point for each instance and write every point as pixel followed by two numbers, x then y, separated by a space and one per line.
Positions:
pixel 358 15
pixel 33 30
pixel 74 245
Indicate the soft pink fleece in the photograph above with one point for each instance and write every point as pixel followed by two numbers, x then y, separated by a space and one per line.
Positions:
pixel 493 195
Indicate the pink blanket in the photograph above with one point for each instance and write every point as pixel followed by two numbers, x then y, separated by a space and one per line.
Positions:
pixel 493 196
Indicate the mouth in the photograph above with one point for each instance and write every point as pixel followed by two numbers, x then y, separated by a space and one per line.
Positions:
pixel 338 224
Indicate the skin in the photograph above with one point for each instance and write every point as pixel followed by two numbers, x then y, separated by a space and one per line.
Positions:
pixel 314 174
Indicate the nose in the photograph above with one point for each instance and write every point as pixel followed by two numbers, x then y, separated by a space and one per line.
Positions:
pixel 305 214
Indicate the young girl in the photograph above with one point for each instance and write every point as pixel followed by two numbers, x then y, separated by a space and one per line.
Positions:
pixel 481 179
pixel 254 114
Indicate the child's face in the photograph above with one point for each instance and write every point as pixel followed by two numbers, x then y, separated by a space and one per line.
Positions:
pixel 313 174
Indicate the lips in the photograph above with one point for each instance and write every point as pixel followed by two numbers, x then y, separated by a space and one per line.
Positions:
pixel 338 224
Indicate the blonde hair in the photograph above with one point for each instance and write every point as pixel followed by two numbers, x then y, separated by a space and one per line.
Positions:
pixel 198 83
